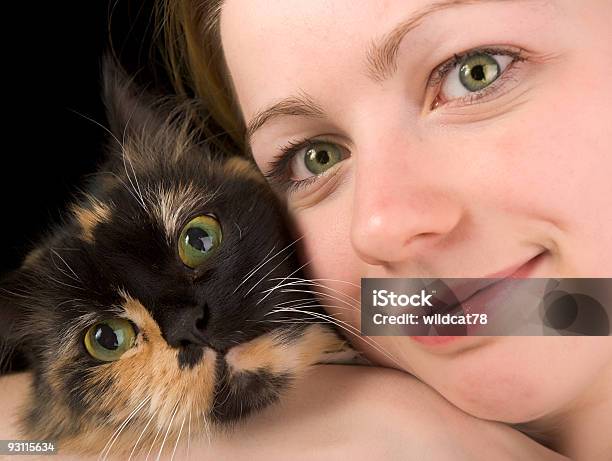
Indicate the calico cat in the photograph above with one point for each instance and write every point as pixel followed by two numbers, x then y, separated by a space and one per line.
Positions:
pixel 163 299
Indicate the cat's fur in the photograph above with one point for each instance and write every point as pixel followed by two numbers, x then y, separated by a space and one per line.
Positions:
pixel 116 256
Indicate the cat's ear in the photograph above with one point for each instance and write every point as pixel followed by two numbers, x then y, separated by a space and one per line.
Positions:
pixel 129 107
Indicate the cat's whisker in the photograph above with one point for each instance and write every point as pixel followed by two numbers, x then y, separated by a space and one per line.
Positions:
pixel 76 278
pixel 241 406
pixel 297 302
pixel 314 292
pixel 213 195
pixel 207 429
pixel 290 320
pixel 313 303
pixel 269 272
pixel 349 329
pixel 71 300
pixel 323 280
pixel 124 155
pixel 59 282
pixel 142 434
pixel 137 191
pixel 18 295
pixel 189 435
pixel 262 262
pixel 160 427
pixel 226 385
pixel 266 260
pixel 178 438
pixel 291 301
pixel 123 183
pixel 252 272
pixel 299 282
pixel 271 290
pixel 98 124
pixel 315 282
pixel 239 230
pixel 161 449
pixel 316 303
pixel 109 445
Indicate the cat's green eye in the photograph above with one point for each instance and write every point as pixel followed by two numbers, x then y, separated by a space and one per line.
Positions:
pixel 478 71
pixel 199 239
pixel 109 339
pixel 321 156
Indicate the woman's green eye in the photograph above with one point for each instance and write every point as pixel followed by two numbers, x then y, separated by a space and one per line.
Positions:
pixel 473 74
pixel 199 239
pixel 321 156
pixel 478 71
pixel 108 340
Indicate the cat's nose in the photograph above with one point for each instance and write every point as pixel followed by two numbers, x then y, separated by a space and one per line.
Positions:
pixel 186 325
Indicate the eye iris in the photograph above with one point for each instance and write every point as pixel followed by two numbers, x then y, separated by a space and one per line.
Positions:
pixel 199 239
pixel 322 157
pixel 478 72
pixel 108 340
pixel 106 337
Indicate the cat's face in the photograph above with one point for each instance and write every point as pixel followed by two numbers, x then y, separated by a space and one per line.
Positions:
pixel 155 304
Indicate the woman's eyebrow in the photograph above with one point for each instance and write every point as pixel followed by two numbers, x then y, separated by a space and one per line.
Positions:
pixel 381 56
pixel 301 104
pixel 381 62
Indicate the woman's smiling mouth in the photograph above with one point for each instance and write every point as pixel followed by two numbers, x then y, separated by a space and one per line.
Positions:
pixel 480 296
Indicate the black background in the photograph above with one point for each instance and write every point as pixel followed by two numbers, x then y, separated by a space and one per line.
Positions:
pixel 51 62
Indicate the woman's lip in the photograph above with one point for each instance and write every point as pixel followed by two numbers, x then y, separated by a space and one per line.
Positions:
pixel 436 340
pixel 463 289
pixel 516 272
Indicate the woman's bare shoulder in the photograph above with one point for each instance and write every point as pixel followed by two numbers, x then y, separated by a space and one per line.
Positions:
pixel 13 393
pixel 319 416
pixel 334 412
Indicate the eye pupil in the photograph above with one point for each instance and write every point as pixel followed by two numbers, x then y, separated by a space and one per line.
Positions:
pixel 106 337
pixel 322 157
pixel 199 239
pixel 478 73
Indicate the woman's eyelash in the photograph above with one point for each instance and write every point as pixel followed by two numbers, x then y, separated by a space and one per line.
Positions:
pixel 279 175
pixel 441 72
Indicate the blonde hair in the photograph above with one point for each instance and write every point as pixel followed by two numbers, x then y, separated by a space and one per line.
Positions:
pixel 190 45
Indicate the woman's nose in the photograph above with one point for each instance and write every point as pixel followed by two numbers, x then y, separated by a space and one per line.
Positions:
pixel 400 210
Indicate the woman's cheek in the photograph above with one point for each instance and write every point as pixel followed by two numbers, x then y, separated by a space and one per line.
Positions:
pixel 325 227
pixel 326 248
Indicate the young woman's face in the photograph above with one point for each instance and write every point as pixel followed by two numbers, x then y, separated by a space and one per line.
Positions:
pixel 441 139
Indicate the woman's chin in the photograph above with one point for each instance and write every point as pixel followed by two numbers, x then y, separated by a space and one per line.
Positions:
pixel 516 379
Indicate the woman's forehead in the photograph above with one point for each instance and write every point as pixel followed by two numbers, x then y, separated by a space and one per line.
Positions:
pixel 273 48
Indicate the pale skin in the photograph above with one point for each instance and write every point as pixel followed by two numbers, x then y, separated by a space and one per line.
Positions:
pixel 336 412
pixel 445 190
pixel 434 181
